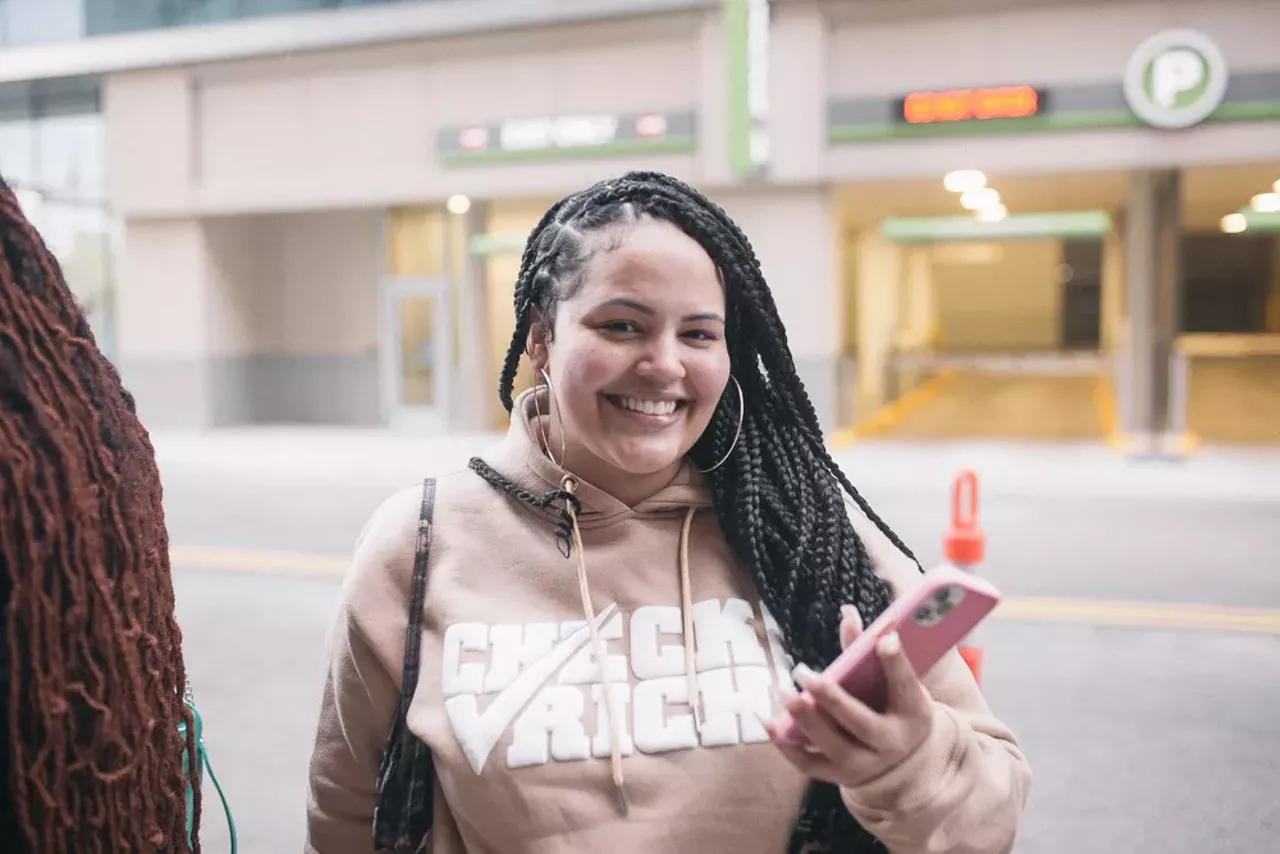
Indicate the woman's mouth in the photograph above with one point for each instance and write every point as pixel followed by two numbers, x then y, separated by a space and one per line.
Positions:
pixel 649 410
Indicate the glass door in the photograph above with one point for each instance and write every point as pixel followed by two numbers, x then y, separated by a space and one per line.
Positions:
pixel 417 351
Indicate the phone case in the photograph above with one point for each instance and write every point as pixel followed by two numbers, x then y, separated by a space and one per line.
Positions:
pixel 930 619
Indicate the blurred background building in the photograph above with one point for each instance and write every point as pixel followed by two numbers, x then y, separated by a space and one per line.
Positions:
pixel 1004 218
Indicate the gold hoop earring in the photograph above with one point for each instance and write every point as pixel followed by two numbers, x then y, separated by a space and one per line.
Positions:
pixel 742 413
pixel 542 429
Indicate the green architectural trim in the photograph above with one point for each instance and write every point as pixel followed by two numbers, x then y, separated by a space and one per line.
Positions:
pixel 735 20
pixel 1238 111
pixel 498 243
pixel 1261 222
pixel 962 228
pixel 619 148
pixel 991 127
pixel 1049 123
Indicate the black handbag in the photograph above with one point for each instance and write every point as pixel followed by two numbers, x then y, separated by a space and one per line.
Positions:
pixel 406 776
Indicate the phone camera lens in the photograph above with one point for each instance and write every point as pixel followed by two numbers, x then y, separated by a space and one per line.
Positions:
pixel 928 615
pixel 941 603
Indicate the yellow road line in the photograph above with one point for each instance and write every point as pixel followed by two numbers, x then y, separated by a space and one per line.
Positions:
pixel 1110 612
pixel 888 416
pixel 1134 614
pixel 292 563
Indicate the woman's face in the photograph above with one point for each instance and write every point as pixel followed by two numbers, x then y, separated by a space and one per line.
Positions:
pixel 637 359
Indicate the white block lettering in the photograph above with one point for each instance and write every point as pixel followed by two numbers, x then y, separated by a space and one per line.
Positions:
pixel 459 678
pixel 655 732
pixel 514 648
pixel 782 663
pixel 650 658
pixel 724 705
pixel 583 669
pixel 556 712
pixel 600 745
pixel 726 636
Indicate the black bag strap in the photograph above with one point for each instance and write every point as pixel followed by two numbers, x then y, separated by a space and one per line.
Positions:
pixel 406 777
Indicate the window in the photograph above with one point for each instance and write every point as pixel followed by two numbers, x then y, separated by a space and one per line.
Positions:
pixel 25 22
pixel 53 155
pixel 104 17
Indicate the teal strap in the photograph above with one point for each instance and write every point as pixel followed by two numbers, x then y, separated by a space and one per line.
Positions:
pixel 226 808
pixel 203 765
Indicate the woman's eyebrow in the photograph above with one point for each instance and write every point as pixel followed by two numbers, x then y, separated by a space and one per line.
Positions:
pixel 636 305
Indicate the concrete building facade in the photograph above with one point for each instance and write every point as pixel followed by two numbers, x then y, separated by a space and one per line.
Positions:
pixel 317 216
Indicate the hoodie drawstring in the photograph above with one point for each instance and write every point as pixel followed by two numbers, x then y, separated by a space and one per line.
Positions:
pixel 601 652
pixel 686 612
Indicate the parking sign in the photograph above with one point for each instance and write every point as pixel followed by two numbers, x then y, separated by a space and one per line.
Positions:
pixel 1175 79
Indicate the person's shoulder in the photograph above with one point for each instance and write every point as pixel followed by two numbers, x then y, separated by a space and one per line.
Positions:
pixel 382 564
pixel 391 521
pixel 392 528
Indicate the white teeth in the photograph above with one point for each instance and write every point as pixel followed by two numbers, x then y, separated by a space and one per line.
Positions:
pixel 649 407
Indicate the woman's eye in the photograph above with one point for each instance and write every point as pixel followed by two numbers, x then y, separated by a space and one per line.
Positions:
pixel 700 335
pixel 619 327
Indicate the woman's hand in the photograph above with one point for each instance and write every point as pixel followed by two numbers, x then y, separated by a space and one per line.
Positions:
pixel 851 744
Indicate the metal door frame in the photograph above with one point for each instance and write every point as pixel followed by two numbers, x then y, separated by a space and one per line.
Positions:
pixel 390 353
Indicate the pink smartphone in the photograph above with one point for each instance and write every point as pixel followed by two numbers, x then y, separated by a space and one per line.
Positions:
pixel 930 619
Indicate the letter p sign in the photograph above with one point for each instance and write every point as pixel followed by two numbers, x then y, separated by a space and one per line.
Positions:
pixel 1175 79
pixel 1175 75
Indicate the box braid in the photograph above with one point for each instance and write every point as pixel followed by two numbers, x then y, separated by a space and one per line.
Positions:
pixel 779 497
pixel 91 649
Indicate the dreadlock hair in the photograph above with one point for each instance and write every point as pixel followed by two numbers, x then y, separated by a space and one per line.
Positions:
pixel 779 497
pixel 95 670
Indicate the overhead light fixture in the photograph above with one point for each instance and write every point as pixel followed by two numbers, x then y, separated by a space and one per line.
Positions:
pixel 976 200
pixel 1266 203
pixel 458 204
pixel 964 180
pixel 1234 223
pixel 994 213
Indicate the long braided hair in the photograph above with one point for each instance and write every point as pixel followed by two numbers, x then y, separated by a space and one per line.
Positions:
pixel 95 670
pixel 779 498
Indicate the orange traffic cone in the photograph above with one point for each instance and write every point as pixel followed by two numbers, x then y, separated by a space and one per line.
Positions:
pixel 964 545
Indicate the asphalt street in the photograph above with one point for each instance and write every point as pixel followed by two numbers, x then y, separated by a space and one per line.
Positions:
pixel 1151 727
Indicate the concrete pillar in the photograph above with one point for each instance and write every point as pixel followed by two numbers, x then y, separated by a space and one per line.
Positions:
pixel 880 272
pixel 713 99
pixel 919 308
pixel 475 398
pixel 918 311
pixel 165 349
pixel 1111 320
pixel 1169 292
pixel 798 90
pixel 794 237
pixel 1153 290
pixel 1272 321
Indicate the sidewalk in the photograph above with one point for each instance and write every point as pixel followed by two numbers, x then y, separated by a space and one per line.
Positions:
pixel 382 457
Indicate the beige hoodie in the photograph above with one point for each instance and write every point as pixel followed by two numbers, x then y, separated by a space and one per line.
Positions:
pixel 511 701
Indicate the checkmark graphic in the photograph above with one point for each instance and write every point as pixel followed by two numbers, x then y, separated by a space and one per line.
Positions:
pixel 478 733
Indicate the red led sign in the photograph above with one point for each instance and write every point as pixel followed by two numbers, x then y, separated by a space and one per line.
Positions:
pixel 961 105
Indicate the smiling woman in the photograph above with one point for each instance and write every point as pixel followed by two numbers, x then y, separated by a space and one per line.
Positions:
pixel 639 356
pixel 670 452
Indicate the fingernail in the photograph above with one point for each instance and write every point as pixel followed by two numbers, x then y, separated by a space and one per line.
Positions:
pixel 851 613
pixel 802 673
pixel 890 644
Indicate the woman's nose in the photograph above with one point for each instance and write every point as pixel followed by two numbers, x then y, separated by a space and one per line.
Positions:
pixel 662 361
